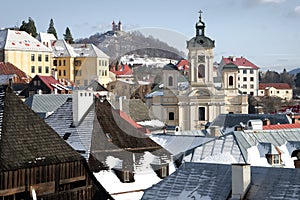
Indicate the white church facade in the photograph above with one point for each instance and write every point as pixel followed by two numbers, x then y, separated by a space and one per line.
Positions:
pixel 192 107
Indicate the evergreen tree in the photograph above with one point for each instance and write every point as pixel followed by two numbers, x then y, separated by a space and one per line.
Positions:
pixel 29 27
pixel 68 36
pixel 51 29
pixel 297 80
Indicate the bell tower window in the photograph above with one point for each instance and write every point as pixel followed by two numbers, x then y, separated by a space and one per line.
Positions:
pixel 201 71
pixel 230 82
pixel 170 81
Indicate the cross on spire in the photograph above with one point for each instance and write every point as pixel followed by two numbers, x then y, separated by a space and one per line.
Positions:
pixel 200 12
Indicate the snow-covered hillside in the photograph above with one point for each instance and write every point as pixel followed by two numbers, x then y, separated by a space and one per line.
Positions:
pixel 153 62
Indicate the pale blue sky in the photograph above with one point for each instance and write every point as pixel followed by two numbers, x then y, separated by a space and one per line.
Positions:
pixel 267 32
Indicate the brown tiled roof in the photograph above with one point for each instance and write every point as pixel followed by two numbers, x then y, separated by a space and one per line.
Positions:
pixel 26 140
pixel 278 86
pixel 9 69
pixel 122 134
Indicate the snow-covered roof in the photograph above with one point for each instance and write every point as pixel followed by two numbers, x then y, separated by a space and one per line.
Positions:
pixel 214 181
pixel 88 50
pixel 45 37
pixel 20 40
pixel 62 49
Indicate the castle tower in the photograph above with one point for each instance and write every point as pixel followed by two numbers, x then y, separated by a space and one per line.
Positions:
pixel 119 26
pixel 113 26
pixel 201 56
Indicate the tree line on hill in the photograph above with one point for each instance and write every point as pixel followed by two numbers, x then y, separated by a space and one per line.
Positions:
pixel 30 28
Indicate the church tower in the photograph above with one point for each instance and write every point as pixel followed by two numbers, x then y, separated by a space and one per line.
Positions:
pixel 201 56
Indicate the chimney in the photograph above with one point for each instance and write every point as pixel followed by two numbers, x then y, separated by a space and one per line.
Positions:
pixel 241 179
pixel 81 102
pixel 215 131
pixel 121 99
pixel 266 122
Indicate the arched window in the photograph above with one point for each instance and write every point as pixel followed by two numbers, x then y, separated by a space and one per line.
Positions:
pixel 201 71
pixel 230 82
pixel 170 81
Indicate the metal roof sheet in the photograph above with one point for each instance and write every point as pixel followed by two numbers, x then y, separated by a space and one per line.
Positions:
pixel 213 181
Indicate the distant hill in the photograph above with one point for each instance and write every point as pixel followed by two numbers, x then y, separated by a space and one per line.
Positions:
pixel 119 43
pixel 294 71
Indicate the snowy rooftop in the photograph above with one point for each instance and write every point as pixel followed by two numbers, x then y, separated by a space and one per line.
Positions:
pixel 20 40
pixel 213 181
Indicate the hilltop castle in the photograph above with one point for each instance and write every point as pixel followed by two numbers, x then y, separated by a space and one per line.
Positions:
pixel 116 27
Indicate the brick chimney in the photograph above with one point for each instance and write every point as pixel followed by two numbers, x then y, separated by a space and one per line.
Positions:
pixel 241 179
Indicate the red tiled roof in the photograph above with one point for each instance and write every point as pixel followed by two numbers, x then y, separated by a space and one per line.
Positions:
pixel 240 62
pixel 132 122
pixel 281 126
pixel 9 69
pixel 48 80
pixel 183 64
pixel 122 70
pixel 279 86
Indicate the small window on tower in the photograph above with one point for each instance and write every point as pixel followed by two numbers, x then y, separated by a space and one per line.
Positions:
pixel 230 81
pixel 201 59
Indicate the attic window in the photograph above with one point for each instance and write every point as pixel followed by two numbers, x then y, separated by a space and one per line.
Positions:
pixel 273 159
pixel 109 137
pixel 66 135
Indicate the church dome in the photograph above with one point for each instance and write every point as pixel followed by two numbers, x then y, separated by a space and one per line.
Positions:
pixel 170 66
pixel 201 41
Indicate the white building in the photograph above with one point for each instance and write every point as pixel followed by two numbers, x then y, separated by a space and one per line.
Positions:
pixel 247 75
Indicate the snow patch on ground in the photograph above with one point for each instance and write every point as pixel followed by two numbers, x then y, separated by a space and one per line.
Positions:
pixel 148 61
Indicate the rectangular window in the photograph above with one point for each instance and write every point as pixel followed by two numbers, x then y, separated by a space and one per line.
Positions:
pixel 40 57
pixel 47 58
pixel 77 63
pixel 245 86
pixel 32 69
pixel 126 176
pixel 201 113
pixel 32 57
pixel 59 72
pixel 171 116
pixel 245 79
pixel 64 62
pixel 105 63
pixel 105 72
pixel 244 71
pixel 164 171
pixel 276 159
pixel 47 70
pixel 65 72
pixel 99 62
pixel 251 78
pixel 251 86
pixel 40 69
pixel 252 93
pixel 59 63
pixel 54 62
pixel 251 71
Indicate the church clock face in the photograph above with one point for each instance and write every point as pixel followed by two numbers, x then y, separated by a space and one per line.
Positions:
pixel 201 59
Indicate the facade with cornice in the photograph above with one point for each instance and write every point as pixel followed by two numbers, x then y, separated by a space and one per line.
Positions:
pixel 192 107
pixel 25 52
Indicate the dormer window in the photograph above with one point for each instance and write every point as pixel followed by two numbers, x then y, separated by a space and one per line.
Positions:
pixel 273 159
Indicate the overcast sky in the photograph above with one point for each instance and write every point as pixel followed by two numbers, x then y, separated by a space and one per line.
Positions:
pixel 267 32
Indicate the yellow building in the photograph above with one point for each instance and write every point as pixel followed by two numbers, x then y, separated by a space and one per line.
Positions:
pixel 25 52
pixel 80 63
pixel 282 90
